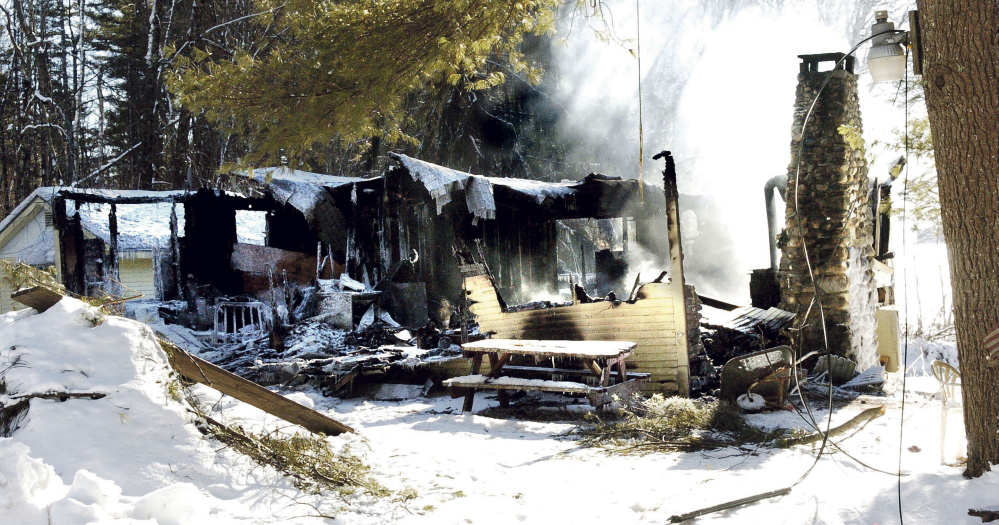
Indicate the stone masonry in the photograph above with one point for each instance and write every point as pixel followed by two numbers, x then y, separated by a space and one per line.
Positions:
pixel 828 211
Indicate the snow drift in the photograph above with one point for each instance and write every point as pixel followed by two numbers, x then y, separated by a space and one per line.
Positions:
pixel 121 457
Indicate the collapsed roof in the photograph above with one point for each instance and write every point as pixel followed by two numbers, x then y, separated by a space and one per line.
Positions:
pixel 595 196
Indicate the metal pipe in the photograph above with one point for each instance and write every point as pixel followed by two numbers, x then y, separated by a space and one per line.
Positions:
pixel 778 183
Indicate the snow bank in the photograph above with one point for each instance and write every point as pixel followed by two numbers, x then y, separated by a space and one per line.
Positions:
pixel 104 460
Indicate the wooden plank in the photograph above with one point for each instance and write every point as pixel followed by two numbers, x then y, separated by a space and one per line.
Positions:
pixel 676 261
pixel 585 310
pixel 552 348
pixel 590 333
pixel 583 333
pixel 40 298
pixel 662 315
pixel 498 365
pixel 642 342
pixel 251 393
pixel 539 370
pixel 539 385
pixel 658 319
pixel 346 379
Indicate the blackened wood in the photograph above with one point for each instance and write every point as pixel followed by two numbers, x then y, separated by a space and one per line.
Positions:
pixel 987 515
pixel 111 267
pixel 105 199
pixel 676 267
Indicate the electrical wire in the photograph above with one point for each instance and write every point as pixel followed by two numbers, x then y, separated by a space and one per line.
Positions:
pixel 641 135
pixel 905 289
pixel 816 298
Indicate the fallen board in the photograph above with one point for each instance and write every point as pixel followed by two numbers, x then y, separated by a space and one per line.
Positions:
pixel 203 372
pixel 38 297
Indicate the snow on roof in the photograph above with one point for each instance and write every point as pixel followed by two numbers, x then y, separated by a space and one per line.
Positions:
pixel 441 182
pixel 537 189
pixel 140 226
pixel 301 189
pixel 44 193
pixel 128 226
pixel 286 174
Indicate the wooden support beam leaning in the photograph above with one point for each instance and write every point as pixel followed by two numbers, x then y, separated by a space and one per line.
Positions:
pixel 249 392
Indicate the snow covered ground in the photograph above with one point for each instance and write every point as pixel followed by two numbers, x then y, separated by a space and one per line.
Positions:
pixel 136 457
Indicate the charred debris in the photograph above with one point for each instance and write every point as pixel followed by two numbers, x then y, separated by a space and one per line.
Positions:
pixel 324 280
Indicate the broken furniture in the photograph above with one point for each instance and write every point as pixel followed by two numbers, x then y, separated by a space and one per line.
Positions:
pixel 600 359
pixel 765 373
pixel 950 381
pixel 241 320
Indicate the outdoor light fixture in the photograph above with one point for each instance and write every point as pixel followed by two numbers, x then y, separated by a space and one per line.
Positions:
pixel 886 59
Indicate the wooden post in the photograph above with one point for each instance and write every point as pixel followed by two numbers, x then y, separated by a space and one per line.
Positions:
pixel 175 268
pixel 676 272
pixel 112 277
pixel 470 396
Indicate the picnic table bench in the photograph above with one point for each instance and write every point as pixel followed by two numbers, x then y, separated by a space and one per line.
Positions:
pixel 603 364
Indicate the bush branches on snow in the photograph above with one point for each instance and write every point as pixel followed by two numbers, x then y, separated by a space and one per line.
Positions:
pixel 661 424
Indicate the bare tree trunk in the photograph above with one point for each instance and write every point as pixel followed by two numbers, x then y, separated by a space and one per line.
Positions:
pixel 962 98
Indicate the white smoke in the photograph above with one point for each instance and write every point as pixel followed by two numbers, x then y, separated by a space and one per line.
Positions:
pixel 718 81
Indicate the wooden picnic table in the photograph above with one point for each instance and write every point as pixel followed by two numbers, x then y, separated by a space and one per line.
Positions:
pixel 600 360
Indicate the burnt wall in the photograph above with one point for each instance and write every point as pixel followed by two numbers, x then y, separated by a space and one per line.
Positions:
pixel 828 212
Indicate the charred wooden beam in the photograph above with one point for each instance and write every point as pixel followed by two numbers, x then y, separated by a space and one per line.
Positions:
pixel 716 303
pixel 79 196
pixel 111 267
pixel 676 264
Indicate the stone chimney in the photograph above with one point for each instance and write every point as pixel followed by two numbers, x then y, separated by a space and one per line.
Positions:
pixel 828 209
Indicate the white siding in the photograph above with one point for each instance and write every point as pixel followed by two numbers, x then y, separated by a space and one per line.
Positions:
pixel 33 243
pixel 28 241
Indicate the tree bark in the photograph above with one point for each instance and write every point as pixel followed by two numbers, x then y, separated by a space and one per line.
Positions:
pixel 961 76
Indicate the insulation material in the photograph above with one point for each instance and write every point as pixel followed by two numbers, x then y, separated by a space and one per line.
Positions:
pixel 303 190
pixel 442 182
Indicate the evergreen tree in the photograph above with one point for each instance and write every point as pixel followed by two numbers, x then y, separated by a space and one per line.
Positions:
pixel 345 71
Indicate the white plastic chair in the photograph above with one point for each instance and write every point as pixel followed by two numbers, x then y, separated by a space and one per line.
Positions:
pixel 950 383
